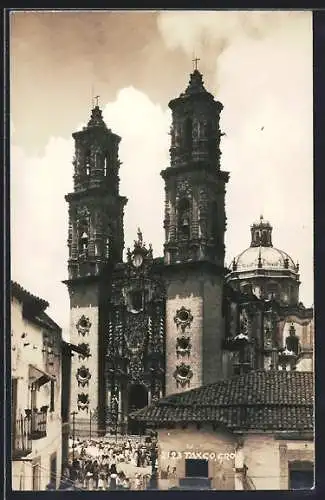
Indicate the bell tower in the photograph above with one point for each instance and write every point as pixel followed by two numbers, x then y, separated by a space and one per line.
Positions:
pixel 194 251
pixel 95 242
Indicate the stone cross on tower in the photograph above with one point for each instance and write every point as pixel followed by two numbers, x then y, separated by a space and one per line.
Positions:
pixel 195 61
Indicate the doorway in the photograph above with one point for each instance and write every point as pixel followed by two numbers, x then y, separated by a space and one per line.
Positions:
pixel 196 468
pixel 137 399
pixel 301 475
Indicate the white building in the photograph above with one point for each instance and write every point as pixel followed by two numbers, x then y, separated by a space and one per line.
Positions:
pixel 36 393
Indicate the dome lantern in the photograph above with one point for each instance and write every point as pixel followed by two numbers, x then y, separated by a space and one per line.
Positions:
pixel 261 233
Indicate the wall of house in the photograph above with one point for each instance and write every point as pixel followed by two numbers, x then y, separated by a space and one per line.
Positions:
pixel 22 475
pixel 22 357
pixel 176 445
pixel 268 460
pixel 266 456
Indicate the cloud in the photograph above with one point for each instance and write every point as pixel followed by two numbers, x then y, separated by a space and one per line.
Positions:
pixel 39 222
pixel 196 31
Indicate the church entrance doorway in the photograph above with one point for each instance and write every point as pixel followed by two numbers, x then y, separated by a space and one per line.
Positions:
pixel 137 399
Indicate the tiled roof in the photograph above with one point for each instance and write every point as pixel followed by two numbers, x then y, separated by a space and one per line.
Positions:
pixel 47 321
pixel 33 307
pixel 26 297
pixel 269 400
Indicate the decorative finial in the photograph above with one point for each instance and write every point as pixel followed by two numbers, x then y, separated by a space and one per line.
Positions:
pixel 261 217
pixel 195 61
pixel 96 99
pixel 140 238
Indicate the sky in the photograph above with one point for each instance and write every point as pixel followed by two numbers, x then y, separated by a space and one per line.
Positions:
pixel 258 64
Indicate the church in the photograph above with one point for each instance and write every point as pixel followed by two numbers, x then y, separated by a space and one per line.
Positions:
pixel 152 327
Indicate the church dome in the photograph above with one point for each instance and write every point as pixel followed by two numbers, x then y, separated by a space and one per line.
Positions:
pixel 265 257
pixel 262 254
pixel 264 269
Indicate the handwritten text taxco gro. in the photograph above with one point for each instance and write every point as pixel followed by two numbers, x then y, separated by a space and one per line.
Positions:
pixel 197 455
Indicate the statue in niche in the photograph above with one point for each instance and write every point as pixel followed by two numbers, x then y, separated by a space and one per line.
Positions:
pixel 268 333
pixel 292 341
pixel 244 322
pixel 196 130
pixel 204 129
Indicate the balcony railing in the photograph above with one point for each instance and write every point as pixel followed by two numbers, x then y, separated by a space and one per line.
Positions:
pixel 39 423
pixel 21 437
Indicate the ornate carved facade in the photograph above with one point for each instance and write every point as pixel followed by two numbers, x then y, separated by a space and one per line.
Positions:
pixel 135 331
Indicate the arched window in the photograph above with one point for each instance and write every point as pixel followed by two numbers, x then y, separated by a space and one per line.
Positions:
pixel 136 301
pixel 184 218
pixel 273 291
pixel 87 162
pixel 257 237
pixel 107 248
pixel 214 221
pixel 188 134
pixel 264 238
pixel 83 243
pixel 105 165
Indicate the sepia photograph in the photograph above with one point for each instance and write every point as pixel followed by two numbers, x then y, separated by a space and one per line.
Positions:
pixel 161 240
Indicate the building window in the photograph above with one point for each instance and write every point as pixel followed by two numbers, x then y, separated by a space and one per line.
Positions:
pixel 107 248
pixel 188 134
pixel 301 475
pixel 53 465
pixel 33 397
pixel 105 166
pixel 36 464
pixel 83 244
pixel 257 238
pixel 273 291
pixel 88 163
pixel 52 394
pixel 196 468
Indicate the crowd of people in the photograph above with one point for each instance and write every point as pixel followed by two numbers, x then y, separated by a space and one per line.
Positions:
pixel 104 464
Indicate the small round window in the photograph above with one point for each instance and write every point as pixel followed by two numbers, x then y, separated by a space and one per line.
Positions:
pixel 183 371
pixel 183 315
pixel 83 323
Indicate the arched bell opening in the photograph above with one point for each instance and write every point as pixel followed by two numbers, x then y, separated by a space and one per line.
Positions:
pixel 184 218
